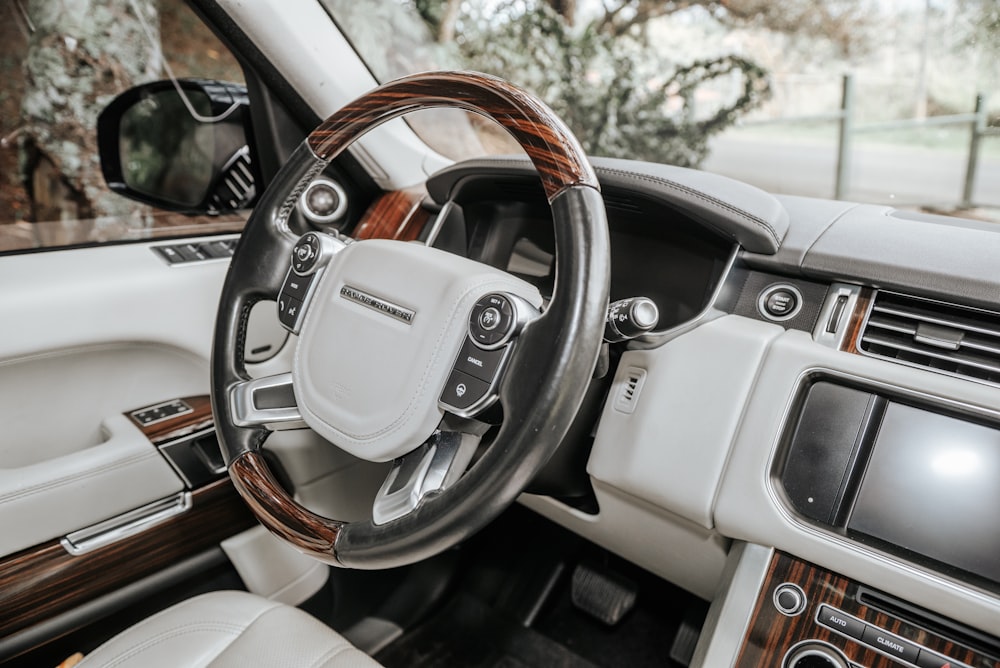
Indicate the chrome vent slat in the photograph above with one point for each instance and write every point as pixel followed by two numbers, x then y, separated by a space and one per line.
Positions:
pixel 986 347
pixel 902 329
pixel 946 338
pixel 936 320
pixel 956 357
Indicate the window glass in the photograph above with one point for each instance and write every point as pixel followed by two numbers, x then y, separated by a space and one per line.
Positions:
pixel 62 61
pixel 891 101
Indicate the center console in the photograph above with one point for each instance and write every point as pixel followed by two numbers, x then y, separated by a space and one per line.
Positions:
pixel 809 617
pixel 915 480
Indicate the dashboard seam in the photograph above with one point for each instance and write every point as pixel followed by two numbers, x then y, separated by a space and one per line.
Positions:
pixel 756 220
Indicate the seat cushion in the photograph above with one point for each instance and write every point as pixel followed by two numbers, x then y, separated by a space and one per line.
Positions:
pixel 229 628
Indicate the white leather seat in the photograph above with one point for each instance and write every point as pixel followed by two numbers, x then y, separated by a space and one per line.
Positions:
pixel 229 628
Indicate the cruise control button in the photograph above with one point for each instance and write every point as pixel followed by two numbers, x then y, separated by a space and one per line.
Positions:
pixel 463 390
pixel 477 362
pixel 296 286
pixel 838 621
pixel 890 644
pixel 289 310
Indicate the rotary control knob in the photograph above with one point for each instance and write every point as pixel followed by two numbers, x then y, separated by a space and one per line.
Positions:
pixel 492 321
pixel 814 654
pixel 629 318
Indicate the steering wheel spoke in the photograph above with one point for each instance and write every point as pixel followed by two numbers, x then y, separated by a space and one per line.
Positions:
pixel 429 469
pixel 265 402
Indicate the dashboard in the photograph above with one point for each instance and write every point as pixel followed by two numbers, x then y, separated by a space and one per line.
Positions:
pixel 810 437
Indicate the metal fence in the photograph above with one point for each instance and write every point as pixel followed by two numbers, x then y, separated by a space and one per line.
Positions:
pixel 844 118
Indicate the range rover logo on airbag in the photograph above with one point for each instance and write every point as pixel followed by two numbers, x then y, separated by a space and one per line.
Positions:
pixel 365 299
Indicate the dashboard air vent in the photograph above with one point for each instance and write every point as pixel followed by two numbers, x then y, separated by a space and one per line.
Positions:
pixel 948 338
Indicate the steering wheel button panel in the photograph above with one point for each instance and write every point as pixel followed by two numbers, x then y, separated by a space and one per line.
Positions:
pixel 463 391
pixel 306 253
pixel 475 361
pixel 492 321
pixel 289 311
pixel 296 286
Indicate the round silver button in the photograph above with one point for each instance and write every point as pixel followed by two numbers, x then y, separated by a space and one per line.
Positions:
pixel 789 599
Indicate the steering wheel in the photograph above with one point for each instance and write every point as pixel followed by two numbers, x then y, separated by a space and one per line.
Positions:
pixel 401 345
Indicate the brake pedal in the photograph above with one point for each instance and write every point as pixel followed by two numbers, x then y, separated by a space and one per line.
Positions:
pixel 606 596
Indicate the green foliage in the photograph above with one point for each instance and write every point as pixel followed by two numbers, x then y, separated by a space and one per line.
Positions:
pixel 611 90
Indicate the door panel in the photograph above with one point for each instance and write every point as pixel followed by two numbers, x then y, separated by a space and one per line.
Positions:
pixel 91 334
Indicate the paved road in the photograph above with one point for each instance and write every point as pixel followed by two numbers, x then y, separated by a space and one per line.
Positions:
pixel 884 174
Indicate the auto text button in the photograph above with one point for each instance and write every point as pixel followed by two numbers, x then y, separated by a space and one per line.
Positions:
pixel 477 362
pixel 892 645
pixel 462 390
pixel 838 621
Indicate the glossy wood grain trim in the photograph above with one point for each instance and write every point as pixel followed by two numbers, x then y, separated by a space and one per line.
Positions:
pixel 41 582
pixel 199 418
pixel 394 215
pixel 555 152
pixel 278 511
pixel 857 320
pixel 771 634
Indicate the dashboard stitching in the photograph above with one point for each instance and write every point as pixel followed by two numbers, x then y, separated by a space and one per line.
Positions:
pixel 759 222
pixel 755 220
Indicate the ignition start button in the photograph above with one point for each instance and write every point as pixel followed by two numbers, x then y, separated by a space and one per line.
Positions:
pixel 780 302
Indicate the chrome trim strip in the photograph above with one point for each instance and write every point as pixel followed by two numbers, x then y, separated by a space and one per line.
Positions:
pixel 836 338
pixel 377 304
pixel 443 459
pixel 732 607
pixel 244 411
pixel 439 222
pixel 128 524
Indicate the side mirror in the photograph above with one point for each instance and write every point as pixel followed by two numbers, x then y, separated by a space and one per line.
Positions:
pixel 155 150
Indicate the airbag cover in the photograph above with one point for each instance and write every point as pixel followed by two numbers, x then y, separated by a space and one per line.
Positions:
pixel 367 377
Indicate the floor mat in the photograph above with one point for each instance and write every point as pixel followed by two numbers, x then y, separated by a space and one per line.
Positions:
pixel 468 633
pixel 642 638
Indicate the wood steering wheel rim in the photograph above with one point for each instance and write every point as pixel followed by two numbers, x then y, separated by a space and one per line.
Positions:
pixel 560 354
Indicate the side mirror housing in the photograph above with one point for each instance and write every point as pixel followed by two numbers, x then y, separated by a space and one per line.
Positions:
pixel 154 150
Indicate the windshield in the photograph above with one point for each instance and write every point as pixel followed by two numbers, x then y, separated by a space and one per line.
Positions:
pixel 885 101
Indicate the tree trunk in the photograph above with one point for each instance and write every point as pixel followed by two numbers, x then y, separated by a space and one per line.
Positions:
pixel 81 53
pixel 449 19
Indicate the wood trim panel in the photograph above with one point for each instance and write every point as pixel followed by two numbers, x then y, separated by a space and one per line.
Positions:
pixel 394 215
pixel 276 510
pixel 41 582
pixel 771 634
pixel 857 319
pixel 553 149
pixel 199 418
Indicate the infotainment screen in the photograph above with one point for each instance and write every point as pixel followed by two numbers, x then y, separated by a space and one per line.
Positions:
pixel 932 486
